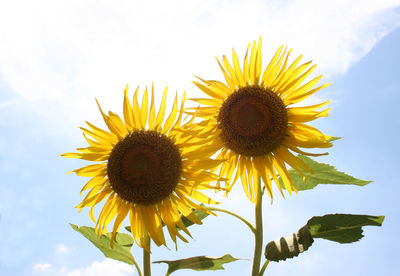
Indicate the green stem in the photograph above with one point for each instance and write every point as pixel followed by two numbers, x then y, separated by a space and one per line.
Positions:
pixel 137 267
pixel 146 258
pixel 235 215
pixel 259 230
pixel 263 268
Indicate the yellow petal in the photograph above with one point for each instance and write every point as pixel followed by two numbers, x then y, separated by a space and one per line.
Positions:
pixel 178 121
pixel 208 91
pixel 171 118
pixel 230 82
pixel 246 70
pixel 262 171
pixel 118 123
pixel 207 101
pixel 250 173
pixel 128 116
pixel 283 173
pixel 153 224
pixel 152 112
pixel 193 193
pixel 95 150
pixel 144 110
pixel 167 216
pixel 282 71
pixel 272 75
pixel 252 66
pixel 123 209
pixel 243 178
pixel 92 170
pixel 161 112
pixel 294 81
pixel 136 110
pixel 95 181
pixel 110 123
pixel 295 116
pixel 301 97
pixel 238 71
pixel 86 156
pixel 231 72
pixel 108 207
pixel 258 63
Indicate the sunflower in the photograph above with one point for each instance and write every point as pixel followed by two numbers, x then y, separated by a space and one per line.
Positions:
pixel 252 121
pixel 146 170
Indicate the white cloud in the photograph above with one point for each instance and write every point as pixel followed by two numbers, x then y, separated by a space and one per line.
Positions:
pixel 62 249
pixel 59 55
pixel 42 267
pixel 104 268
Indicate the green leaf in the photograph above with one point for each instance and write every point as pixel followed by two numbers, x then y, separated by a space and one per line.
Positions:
pixel 200 214
pixel 323 174
pixel 198 263
pixel 342 228
pixel 122 245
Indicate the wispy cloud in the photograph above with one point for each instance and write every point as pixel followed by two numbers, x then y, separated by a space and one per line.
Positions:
pixel 42 267
pixel 105 268
pixel 62 248
pixel 60 57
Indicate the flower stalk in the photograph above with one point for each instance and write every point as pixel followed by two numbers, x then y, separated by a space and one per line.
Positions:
pixel 146 258
pixel 259 230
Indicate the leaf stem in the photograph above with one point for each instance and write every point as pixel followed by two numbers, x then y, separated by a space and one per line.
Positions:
pixel 137 267
pixel 263 268
pixel 235 215
pixel 258 230
pixel 146 258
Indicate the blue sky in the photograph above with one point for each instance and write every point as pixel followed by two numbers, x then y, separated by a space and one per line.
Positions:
pixel 55 58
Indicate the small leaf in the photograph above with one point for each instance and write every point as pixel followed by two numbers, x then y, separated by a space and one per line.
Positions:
pixel 323 174
pixel 199 213
pixel 198 263
pixel 122 245
pixel 342 228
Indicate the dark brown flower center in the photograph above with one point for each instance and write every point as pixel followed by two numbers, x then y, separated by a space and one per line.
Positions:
pixel 253 121
pixel 144 167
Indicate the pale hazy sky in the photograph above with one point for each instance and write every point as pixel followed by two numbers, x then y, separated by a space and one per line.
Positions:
pixel 57 56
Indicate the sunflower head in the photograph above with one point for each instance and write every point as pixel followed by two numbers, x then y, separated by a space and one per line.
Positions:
pixel 146 169
pixel 252 121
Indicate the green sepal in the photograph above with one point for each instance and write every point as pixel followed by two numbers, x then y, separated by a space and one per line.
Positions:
pixel 198 263
pixel 333 139
pixel 122 244
pixel 342 228
pixel 323 174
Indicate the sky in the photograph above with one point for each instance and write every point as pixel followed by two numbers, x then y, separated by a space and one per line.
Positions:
pixel 56 57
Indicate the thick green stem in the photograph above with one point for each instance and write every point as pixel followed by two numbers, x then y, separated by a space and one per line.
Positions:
pixel 146 258
pixel 235 215
pixel 259 230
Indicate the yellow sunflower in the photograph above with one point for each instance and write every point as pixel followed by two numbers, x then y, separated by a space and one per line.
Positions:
pixel 252 120
pixel 147 171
